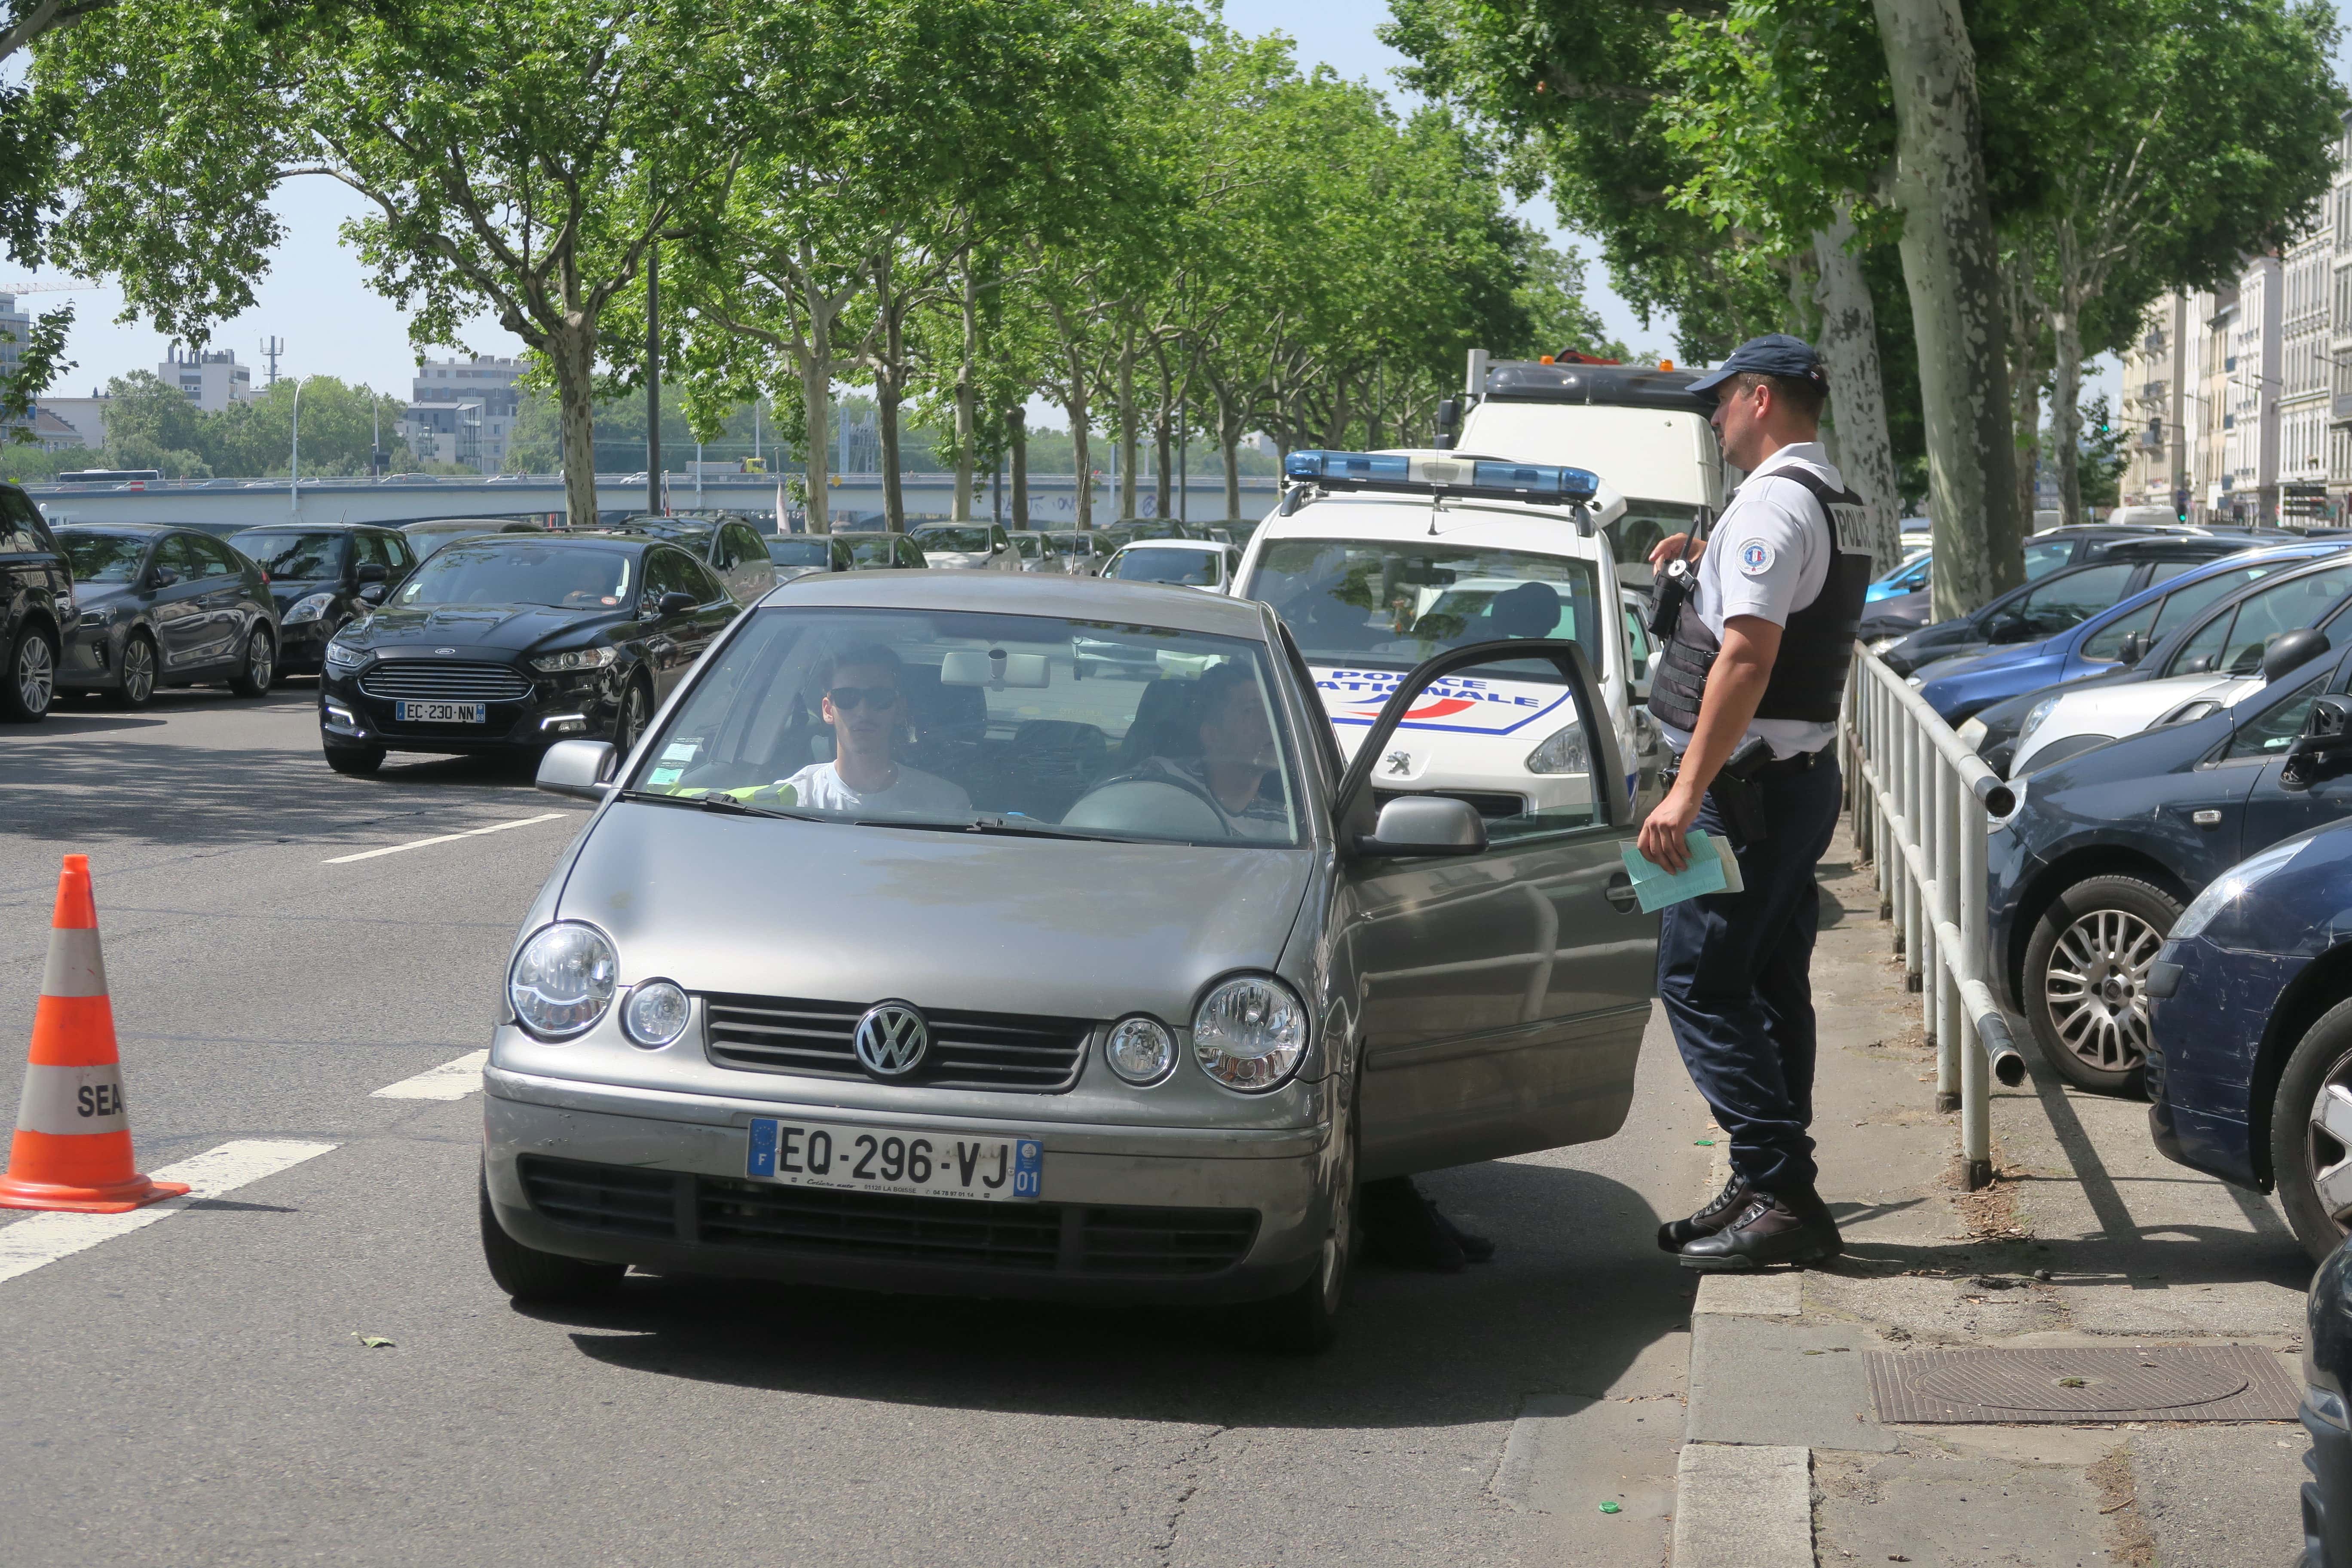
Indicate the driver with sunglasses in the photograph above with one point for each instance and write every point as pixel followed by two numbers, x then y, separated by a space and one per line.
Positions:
pixel 862 702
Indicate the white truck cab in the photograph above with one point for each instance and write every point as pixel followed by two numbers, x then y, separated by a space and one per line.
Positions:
pixel 1370 581
pixel 1660 451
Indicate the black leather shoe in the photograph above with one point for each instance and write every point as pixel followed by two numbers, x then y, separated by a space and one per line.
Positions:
pixel 1720 1211
pixel 1770 1230
pixel 1400 1228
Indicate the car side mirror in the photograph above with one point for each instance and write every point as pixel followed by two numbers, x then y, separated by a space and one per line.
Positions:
pixel 1413 824
pixel 2328 727
pixel 2134 650
pixel 673 603
pixel 1449 424
pixel 164 577
pixel 2292 650
pixel 373 572
pixel 372 593
pixel 578 768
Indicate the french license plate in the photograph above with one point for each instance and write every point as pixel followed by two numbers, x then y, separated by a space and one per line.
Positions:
pixel 442 712
pixel 879 1160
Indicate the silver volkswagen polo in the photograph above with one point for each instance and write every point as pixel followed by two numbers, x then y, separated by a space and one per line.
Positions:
pixel 780 1010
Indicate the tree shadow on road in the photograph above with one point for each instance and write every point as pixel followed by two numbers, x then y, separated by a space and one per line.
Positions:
pixel 1577 1291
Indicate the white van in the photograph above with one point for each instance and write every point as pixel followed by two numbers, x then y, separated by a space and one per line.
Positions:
pixel 1371 582
pixel 1641 426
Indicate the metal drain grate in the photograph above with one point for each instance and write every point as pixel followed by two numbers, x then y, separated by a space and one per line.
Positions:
pixel 2167 1382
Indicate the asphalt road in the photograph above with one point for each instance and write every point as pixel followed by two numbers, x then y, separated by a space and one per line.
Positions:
pixel 196 1391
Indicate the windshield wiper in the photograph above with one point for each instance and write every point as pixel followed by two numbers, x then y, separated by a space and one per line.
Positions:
pixel 994 824
pixel 725 805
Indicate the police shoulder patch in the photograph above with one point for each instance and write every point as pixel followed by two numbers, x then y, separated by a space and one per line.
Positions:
pixel 1755 558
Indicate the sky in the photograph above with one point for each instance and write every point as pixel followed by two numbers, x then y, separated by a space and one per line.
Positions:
pixel 317 299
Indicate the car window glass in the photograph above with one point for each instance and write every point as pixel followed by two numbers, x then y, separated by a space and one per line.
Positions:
pixel 21 528
pixel 748 544
pixel 403 556
pixel 705 586
pixel 213 556
pixel 371 550
pixel 292 555
pixel 1563 793
pixel 2108 642
pixel 2185 602
pixel 2041 560
pixel 104 557
pixel 2166 570
pixel 2072 599
pixel 909 552
pixel 179 554
pixel 2274 729
pixel 666 572
pixel 1637 642
pixel 2282 607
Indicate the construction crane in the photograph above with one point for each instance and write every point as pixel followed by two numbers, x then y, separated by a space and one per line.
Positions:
pixel 70 286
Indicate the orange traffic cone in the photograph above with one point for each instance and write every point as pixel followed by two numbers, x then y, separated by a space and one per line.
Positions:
pixel 73 1136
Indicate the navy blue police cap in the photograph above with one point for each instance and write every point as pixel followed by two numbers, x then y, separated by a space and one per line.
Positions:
pixel 1774 354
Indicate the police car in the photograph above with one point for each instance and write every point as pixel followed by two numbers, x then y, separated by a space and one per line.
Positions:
pixel 1375 561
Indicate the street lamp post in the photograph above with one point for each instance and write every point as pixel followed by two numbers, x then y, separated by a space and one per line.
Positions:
pixel 294 461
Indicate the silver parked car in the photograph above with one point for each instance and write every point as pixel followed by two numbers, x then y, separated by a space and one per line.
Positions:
pixel 778 1010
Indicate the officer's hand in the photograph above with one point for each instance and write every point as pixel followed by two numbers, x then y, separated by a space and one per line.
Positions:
pixel 1665 836
pixel 1671 548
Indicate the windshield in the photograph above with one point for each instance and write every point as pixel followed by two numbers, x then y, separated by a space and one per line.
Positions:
pixel 950 718
pixel 968 541
pixel 1191 568
pixel 293 557
pixel 564 576
pixel 103 557
pixel 798 551
pixel 880 550
pixel 1391 605
pixel 1027 544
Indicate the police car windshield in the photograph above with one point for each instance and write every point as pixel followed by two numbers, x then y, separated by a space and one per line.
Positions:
pixel 1191 568
pixel 1393 603
pixel 564 576
pixel 804 551
pixel 967 541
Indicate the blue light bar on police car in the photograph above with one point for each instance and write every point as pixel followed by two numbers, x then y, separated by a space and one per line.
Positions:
pixel 1403 471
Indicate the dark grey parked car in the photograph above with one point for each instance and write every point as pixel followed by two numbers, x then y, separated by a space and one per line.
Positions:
pixel 764 1017
pixel 35 603
pixel 158 605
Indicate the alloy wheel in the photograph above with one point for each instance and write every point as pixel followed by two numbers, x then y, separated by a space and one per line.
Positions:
pixel 2096 987
pixel 138 670
pixel 36 674
pixel 259 661
pixel 2327 1139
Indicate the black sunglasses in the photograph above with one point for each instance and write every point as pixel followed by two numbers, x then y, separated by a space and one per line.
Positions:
pixel 849 698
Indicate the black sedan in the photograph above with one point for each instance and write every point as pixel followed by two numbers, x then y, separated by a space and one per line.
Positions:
pixel 322 575
pixel 723 542
pixel 509 643
pixel 157 605
pixel 2327 1385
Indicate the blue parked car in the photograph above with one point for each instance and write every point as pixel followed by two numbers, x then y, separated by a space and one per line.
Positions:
pixel 2250 1069
pixel 2092 869
pixel 2113 640
pixel 2326 1415
pixel 1908 578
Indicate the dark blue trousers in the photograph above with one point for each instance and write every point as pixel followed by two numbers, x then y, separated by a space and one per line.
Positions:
pixel 1733 972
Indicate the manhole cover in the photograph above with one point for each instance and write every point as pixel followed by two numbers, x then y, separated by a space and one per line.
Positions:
pixel 2171 1382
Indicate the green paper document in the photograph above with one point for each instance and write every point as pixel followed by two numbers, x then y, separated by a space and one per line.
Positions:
pixel 1713 870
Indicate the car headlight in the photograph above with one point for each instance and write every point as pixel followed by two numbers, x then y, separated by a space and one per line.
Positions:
pixel 104 617
pixel 308 608
pixel 2224 890
pixel 1565 752
pixel 1883 643
pixel 577 658
pixel 1250 1034
pixel 1972 733
pixel 656 1013
pixel 2033 717
pixel 1141 1050
pixel 341 656
pixel 561 980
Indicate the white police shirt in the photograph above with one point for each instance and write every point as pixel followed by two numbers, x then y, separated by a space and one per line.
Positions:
pixel 1769 557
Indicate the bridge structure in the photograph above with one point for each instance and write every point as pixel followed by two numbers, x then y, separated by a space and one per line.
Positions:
pixel 221 504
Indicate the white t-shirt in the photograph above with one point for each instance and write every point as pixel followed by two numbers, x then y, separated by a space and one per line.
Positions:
pixel 913 792
pixel 1769 557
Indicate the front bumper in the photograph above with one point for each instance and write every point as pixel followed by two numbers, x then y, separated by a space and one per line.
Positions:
pixel 92 659
pixel 2327 1496
pixel 2204 1036
pixel 565 707
pixel 303 647
pixel 1255 1202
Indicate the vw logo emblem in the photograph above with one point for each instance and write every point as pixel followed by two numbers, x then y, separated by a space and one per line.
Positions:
pixel 891 1039
pixel 445 650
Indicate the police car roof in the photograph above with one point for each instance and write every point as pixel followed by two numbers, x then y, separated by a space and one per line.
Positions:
pixel 1624 385
pixel 1545 525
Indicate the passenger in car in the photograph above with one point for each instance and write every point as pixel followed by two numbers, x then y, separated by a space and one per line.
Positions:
pixel 862 703
pixel 1224 754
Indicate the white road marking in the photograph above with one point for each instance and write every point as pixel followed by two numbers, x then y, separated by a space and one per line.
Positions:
pixel 46 1237
pixel 446 838
pixel 450 1081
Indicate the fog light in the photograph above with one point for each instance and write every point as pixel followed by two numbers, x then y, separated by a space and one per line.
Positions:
pixel 1141 1050
pixel 657 1014
pixel 564 723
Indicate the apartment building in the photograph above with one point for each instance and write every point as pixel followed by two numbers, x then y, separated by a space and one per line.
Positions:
pixel 463 411
pixel 211 377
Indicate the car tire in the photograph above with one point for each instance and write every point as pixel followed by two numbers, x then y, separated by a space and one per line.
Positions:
pixel 629 724
pixel 2085 986
pixel 527 1274
pixel 361 761
pixel 2302 1150
pixel 1306 1320
pixel 135 685
pixel 258 671
pixel 28 688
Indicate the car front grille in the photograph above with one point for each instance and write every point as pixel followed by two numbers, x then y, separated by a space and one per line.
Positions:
pixel 1008 1051
pixel 1083 1240
pixel 432 680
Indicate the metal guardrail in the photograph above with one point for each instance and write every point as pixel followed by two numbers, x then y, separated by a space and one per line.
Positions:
pixel 1922 804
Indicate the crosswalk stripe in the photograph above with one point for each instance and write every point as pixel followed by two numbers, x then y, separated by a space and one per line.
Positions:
pixel 46 1237
pixel 450 1081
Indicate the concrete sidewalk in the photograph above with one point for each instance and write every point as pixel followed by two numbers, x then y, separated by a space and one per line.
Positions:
pixel 2087 1239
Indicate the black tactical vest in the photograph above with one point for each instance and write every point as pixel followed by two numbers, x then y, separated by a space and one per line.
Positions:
pixel 1808 681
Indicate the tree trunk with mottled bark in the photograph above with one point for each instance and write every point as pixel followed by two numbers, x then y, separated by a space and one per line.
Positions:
pixel 571 355
pixel 965 420
pixel 1951 268
pixel 1016 436
pixel 1849 350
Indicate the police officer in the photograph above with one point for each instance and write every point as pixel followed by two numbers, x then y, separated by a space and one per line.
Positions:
pixel 1758 653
